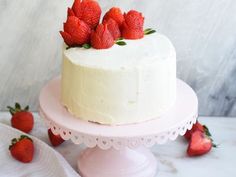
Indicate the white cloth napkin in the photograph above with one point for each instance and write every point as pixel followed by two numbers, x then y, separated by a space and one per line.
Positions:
pixel 46 163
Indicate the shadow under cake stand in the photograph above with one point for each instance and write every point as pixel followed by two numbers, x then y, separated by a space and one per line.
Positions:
pixel 118 151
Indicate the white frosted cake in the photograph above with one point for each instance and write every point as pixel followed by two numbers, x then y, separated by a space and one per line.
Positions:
pixel 114 71
pixel 122 84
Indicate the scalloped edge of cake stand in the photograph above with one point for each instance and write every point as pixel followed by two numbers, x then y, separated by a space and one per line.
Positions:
pixel 124 156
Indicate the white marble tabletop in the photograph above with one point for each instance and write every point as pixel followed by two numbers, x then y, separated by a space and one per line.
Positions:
pixel 172 158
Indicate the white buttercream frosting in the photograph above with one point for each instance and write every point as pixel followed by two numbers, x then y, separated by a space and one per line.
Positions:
pixel 122 84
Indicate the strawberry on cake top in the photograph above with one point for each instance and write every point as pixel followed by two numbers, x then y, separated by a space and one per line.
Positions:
pixel 113 71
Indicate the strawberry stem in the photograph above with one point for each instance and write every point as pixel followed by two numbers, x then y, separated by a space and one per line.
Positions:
pixel 26 108
pixel 17 106
pixel 24 136
pixel 15 140
pixel 215 145
pixel 17 109
pixel 12 110
pixel 207 132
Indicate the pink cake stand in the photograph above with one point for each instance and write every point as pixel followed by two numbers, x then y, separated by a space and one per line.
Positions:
pixel 118 151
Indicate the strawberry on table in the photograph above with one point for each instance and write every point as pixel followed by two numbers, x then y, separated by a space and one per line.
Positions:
pixel 200 141
pixel 22 149
pixel 55 140
pixel 21 119
pixel 199 144
pixel 197 126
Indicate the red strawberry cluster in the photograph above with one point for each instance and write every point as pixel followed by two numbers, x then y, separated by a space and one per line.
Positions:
pixel 22 149
pixel 200 141
pixel 82 27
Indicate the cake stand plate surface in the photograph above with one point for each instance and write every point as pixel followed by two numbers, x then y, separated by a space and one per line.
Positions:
pixel 118 151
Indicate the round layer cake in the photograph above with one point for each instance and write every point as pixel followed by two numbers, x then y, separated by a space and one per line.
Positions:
pixel 120 85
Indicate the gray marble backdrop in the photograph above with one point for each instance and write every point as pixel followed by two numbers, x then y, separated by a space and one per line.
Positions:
pixel 203 32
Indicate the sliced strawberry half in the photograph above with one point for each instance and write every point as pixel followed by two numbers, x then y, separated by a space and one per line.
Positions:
pixel 199 144
pixel 55 140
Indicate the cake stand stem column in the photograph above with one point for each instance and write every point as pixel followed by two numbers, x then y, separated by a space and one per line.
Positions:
pixel 95 162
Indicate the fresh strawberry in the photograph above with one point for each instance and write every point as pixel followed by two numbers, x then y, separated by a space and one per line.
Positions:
pixel 21 119
pixel 70 12
pixel 134 20
pixel 196 126
pixel 132 27
pixel 55 140
pixel 101 38
pixel 115 14
pixel 67 38
pixel 128 33
pixel 22 149
pixel 76 32
pixel 113 28
pixel 87 10
pixel 199 144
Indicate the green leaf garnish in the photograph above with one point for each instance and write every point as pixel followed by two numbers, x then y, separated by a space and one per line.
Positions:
pixel 121 43
pixel 149 31
pixel 86 46
pixel 119 39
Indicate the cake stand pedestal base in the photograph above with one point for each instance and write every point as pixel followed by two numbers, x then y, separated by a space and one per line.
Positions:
pixel 126 162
